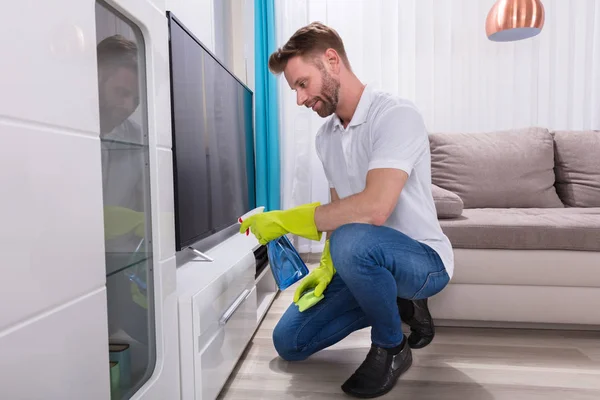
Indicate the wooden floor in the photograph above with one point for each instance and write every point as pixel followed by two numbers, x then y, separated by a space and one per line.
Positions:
pixel 460 364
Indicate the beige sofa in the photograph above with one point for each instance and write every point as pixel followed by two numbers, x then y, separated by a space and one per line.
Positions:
pixel 522 210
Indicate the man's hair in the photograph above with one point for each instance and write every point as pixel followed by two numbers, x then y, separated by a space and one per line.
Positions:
pixel 117 51
pixel 308 42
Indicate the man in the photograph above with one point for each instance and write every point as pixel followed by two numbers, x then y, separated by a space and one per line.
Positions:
pixel 123 161
pixel 385 252
pixel 124 182
pixel 118 85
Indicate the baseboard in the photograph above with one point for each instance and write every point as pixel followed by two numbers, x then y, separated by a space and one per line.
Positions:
pixel 514 325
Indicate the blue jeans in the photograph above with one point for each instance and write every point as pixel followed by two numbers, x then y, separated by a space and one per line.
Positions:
pixel 374 265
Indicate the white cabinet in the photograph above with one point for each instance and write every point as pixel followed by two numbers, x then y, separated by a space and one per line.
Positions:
pixel 220 349
pixel 218 313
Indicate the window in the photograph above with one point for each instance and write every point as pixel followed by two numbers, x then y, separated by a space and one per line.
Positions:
pixel 126 199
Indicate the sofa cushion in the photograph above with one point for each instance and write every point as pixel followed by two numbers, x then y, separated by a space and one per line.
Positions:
pixel 577 159
pixel 526 228
pixel 496 169
pixel 447 204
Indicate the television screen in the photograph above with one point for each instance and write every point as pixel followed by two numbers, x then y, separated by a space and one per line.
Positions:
pixel 213 140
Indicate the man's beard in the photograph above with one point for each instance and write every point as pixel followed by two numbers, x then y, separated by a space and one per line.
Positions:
pixel 109 119
pixel 329 97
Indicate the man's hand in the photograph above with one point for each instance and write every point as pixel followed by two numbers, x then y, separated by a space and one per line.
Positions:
pixel 270 225
pixel 119 221
pixel 318 280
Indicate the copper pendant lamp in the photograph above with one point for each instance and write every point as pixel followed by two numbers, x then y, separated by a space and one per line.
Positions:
pixel 511 20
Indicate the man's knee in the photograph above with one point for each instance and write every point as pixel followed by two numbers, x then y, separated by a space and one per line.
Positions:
pixel 284 343
pixel 348 242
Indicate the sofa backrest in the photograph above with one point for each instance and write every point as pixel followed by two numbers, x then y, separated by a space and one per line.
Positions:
pixel 496 169
pixel 577 167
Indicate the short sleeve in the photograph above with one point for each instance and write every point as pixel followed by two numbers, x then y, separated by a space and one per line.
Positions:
pixel 399 139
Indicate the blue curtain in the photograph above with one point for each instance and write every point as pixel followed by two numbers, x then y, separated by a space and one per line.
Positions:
pixel 267 118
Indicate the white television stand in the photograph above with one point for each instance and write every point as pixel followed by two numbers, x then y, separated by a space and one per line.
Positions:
pixel 220 305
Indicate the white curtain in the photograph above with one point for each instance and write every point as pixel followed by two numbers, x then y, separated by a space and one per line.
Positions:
pixel 435 53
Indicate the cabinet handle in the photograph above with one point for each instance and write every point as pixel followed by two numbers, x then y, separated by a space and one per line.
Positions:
pixel 233 308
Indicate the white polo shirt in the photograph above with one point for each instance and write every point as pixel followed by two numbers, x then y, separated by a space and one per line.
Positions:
pixel 386 132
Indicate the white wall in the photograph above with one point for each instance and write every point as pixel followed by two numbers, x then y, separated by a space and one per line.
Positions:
pixel 241 40
pixel 248 43
pixel 227 31
pixel 197 16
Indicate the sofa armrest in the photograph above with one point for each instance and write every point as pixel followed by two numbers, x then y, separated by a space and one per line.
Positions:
pixel 447 204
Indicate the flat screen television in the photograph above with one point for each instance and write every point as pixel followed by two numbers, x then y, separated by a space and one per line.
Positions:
pixel 213 141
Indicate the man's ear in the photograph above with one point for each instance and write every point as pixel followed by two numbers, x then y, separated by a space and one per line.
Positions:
pixel 332 58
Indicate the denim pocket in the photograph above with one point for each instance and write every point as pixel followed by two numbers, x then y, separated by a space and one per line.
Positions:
pixel 434 284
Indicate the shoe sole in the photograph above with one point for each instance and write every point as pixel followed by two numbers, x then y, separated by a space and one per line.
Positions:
pixel 424 344
pixel 383 392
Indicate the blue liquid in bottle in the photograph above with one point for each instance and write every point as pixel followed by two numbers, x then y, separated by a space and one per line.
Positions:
pixel 285 262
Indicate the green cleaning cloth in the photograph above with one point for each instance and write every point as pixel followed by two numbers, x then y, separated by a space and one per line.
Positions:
pixel 308 300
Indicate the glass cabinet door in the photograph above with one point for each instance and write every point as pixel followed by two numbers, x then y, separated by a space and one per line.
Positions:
pixel 126 198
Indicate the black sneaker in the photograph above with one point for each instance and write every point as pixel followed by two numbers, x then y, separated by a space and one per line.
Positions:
pixel 378 374
pixel 415 314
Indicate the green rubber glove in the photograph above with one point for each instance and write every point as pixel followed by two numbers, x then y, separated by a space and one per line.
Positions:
pixel 270 225
pixel 305 297
pixel 119 221
pixel 308 300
